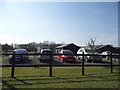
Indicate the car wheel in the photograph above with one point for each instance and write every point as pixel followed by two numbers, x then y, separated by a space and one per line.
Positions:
pixel 62 60
pixel 40 60
pixel 100 60
pixel 74 61
pixel 78 58
pixel 10 62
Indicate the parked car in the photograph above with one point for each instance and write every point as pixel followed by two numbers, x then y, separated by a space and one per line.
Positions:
pixel 45 58
pixel 67 58
pixel 19 58
pixel 88 58
pixel 80 51
pixel 95 58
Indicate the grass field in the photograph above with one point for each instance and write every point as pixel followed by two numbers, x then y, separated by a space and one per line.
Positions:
pixel 4 58
pixel 63 77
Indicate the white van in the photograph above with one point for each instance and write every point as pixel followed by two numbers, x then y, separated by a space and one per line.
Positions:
pixel 80 51
pixel 88 58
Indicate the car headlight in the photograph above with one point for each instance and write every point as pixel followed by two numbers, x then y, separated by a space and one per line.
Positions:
pixel 74 56
pixel 64 56
pixel 10 56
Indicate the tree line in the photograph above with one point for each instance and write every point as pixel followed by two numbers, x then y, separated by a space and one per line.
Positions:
pixel 31 47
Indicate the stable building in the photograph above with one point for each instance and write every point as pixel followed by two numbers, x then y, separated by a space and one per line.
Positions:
pixel 108 48
pixel 74 48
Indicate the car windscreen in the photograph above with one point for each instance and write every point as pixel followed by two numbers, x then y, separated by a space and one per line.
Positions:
pixel 81 50
pixel 67 52
pixel 20 51
pixel 46 52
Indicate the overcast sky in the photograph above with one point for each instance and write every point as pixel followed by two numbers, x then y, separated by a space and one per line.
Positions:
pixel 69 22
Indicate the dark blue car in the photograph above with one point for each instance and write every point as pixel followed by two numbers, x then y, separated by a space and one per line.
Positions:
pixel 19 58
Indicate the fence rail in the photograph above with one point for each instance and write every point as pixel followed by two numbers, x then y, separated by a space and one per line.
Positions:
pixel 76 65
pixel 50 65
pixel 54 54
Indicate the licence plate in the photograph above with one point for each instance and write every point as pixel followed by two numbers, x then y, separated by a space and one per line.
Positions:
pixel 16 59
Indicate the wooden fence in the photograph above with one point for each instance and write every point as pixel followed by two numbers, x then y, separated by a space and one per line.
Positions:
pixel 13 65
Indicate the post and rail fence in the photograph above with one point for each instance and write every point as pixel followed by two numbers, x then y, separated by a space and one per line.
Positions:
pixel 13 65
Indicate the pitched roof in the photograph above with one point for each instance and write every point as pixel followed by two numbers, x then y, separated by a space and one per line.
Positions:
pixel 64 45
pixel 108 48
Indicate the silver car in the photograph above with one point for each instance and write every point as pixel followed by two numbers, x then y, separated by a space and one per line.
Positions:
pixel 45 58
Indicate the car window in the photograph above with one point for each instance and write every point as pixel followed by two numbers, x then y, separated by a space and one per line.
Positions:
pixel 81 50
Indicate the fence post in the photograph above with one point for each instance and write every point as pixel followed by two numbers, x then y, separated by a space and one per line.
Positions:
pixel 83 63
pixel 50 73
pixel 108 55
pixel 111 63
pixel 13 65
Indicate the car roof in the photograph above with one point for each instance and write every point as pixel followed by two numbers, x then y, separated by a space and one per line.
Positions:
pixel 65 50
pixel 20 50
pixel 46 50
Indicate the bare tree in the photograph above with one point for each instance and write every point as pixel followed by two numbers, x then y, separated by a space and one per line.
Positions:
pixel 91 45
pixel 94 49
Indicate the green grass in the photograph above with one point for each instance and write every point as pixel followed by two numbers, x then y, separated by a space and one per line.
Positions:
pixel 104 62
pixel 63 77
pixel 4 58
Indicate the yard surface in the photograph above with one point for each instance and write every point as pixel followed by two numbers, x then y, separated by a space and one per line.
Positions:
pixel 63 77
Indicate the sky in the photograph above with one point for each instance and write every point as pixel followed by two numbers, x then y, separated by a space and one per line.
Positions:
pixel 68 22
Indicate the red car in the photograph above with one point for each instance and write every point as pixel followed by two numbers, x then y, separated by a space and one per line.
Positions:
pixel 67 58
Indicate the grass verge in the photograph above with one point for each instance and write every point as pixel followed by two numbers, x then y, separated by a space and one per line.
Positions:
pixel 63 77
